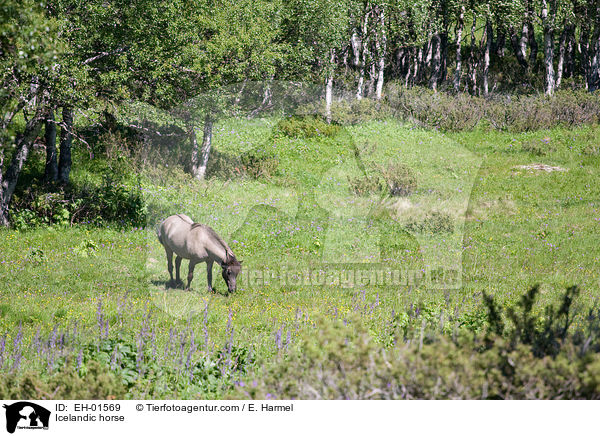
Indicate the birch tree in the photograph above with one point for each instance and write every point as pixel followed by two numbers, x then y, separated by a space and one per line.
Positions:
pixel 318 29
pixel 548 16
pixel 27 50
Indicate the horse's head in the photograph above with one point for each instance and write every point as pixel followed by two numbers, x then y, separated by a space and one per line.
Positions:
pixel 231 269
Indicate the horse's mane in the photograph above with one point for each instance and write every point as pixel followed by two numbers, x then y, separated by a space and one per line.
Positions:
pixel 215 235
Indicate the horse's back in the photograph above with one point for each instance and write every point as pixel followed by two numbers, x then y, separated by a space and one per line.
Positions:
pixel 189 240
pixel 173 233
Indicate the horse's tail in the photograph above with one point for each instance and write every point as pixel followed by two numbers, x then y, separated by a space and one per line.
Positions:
pixel 158 234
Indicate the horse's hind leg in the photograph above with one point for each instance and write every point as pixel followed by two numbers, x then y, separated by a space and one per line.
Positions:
pixel 170 265
pixel 190 273
pixel 178 281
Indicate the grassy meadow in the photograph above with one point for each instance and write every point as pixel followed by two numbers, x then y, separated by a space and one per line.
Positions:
pixel 73 297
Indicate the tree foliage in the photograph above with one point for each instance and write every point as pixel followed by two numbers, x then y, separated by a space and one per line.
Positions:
pixel 72 58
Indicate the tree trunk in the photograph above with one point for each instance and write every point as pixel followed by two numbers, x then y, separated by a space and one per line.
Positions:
pixel 534 48
pixel 51 171
pixel 474 57
pixel 593 78
pixel 66 140
pixel 500 41
pixel 561 55
pixel 8 181
pixel 570 52
pixel 417 71
pixel 361 81
pixel 524 38
pixel 519 48
pixel 593 52
pixel 486 57
pixel 345 52
pixel 381 49
pixel 364 54
pixel 355 44
pixel 329 86
pixel 428 51
pixel 584 48
pixel 411 57
pixel 200 157
pixel 459 30
pixel 191 133
pixel 372 79
pixel 436 50
pixel 398 63
pixel 444 56
pixel 548 23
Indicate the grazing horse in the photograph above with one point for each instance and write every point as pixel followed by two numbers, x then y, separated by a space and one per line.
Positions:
pixel 199 243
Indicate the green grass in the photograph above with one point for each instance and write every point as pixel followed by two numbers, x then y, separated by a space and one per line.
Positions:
pixel 511 228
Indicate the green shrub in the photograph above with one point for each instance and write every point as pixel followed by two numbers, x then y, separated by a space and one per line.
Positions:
pixel 538 147
pixel 340 360
pixel 591 150
pixel 396 179
pixel 111 202
pixel 36 256
pixel 517 113
pixel 310 126
pixel 259 163
pixel 510 354
pixel 366 185
pixel 98 383
pixel 359 111
pixel 34 206
pixel 400 179
pixel 436 222
pixel 114 202
pixel 122 150
pixel 349 111
pixel 575 108
pixel 224 165
pixel 437 110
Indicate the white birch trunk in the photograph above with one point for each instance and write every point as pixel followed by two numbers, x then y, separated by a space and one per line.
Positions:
pixel 548 47
pixel 561 56
pixel 381 49
pixel 200 157
pixel 329 86
pixel 459 31
pixel 363 61
pixel 8 180
pixel 474 60
pixel 355 43
pixel 486 57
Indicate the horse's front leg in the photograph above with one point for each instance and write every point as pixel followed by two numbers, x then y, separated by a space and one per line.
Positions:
pixel 190 273
pixel 209 265
pixel 178 281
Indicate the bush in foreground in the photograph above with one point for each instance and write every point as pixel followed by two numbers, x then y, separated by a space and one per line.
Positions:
pixel 518 357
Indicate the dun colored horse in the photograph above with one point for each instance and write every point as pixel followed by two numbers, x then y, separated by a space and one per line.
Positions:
pixel 199 243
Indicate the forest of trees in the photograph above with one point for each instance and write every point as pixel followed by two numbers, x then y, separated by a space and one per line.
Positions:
pixel 64 57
